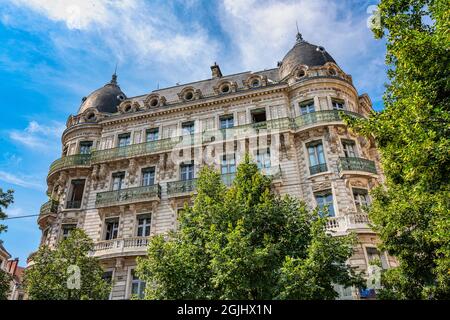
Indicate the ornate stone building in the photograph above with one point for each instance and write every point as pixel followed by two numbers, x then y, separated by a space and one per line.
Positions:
pixel 129 164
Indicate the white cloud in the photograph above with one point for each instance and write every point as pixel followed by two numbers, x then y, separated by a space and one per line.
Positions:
pixel 22 181
pixel 37 136
pixel 131 30
pixel 15 212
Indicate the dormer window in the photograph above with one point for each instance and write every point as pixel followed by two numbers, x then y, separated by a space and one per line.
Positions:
pixel 154 102
pixel 255 83
pixel 225 88
pixel 300 74
pixel 188 96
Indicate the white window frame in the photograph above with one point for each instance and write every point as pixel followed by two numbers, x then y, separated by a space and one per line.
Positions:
pixel 150 216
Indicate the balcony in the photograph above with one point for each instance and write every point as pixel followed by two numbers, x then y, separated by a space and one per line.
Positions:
pixel 318 168
pixel 128 196
pixel 69 162
pixel 321 117
pixel 281 124
pixel 350 222
pixel 47 212
pixel 120 247
pixel 181 188
pixel 356 165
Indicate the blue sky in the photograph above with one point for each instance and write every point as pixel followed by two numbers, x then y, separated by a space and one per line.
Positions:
pixel 54 52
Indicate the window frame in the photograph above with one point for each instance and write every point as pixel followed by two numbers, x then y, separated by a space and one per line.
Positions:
pixel 115 175
pixel 150 131
pixel 108 221
pixel 144 216
pixel 147 170
pixel 322 194
pixel 82 145
pixel 121 136
pixel 307 104
pixel 349 142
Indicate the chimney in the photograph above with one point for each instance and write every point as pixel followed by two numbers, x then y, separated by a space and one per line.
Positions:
pixel 215 70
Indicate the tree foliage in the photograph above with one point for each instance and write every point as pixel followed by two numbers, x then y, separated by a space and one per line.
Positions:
pixel 6 198
pixel 48 277
pixel 5 284
pixel 411 212
pixel 246 243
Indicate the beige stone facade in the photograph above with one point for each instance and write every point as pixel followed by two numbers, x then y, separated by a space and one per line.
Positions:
pixel 129 164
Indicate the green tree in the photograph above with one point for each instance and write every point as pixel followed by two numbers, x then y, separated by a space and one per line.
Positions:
pixel 52 275
pixel 411 212
pixel 6 198
pixel 246 243
pixel 5 285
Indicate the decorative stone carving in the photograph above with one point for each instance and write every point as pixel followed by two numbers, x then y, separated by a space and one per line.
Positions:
pixel 132 171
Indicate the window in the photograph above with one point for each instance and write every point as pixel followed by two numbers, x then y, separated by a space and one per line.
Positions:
pixel 112 229
pixel 337 104
pixel 152 134
pixel 226 122
pixel 124 139
pixel 316 157
pixel 117 180
pixel 228 168
pixel 263 159
pixel 228 164
pixel 67 229
pixel 362 200
pixel 349 148
pixel 144 225
pixel 187 128
pixel 189 96
pixel 307 107
pixel 258 115
pixel 148 176
pixel 187 171
pixel 85 147
pixel 255 83
pixel 137 286
pixel 225 88
pixel 373 255
pixel 325 203
pixel 76 194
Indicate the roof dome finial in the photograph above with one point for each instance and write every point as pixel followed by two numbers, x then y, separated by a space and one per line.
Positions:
pixel 114 76
pixel 299 35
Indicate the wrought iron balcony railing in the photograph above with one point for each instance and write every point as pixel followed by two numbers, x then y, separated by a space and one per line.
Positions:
pixel 127 196
pixel 318 168
pixel 356 164
pixel 167 144
pixel 321 116
pixel 70 161
pixel 50 207
pixel 181 187
pixel 76 204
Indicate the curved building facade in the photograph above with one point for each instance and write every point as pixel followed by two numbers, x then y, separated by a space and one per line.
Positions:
pixel 129 165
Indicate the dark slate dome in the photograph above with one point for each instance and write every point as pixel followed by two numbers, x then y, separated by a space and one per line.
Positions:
pixel 105 99
pixel 305 53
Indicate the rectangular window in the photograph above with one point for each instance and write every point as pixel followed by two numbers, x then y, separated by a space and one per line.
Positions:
pixel 226 122
pixel 137 286
pixel 124 139
pixel 337 104
pixel 152 134
pixel 85 147
pixel 76 194
pixel 362 200
pixel 144 225
pixel 316 157
pixel 307 107
pixel 117 180
pixel 148 177
pixel 325 203
pixel 374 255
pixel 187 128
pixel 263 159
pixel 187 171
pixel 258 115
pixel 228 164
pixel 349 148
pixel 67 229
pixel 111 228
